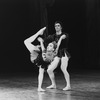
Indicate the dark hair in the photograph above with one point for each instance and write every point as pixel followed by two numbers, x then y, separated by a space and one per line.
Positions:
pixel 55 44
pixel 59 23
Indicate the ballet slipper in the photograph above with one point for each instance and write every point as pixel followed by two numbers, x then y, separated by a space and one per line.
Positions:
pixel 52 87
pixel 67 88
pixel 40 90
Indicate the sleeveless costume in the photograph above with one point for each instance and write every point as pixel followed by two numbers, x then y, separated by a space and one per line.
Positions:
pixel 37 59
pixel 63 46
pixel 36 56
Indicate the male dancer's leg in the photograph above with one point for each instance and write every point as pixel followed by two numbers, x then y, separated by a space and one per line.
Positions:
pixel 64 65
pixel 50 70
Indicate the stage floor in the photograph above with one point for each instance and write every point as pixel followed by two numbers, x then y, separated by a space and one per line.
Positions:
pixel 24 87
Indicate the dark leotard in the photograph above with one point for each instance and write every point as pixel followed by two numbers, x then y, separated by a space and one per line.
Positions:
pixel 64 43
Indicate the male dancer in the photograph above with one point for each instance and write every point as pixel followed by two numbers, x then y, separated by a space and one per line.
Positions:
pixel 63 55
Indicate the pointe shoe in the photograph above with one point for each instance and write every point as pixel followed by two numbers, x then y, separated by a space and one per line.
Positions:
pixel 66 88
pixel 40 90
pixel 52 87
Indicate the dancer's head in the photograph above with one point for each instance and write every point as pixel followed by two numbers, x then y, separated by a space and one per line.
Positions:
pixel 58 26
pixel 52 46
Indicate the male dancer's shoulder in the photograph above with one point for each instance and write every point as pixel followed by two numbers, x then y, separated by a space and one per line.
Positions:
pixel 64 33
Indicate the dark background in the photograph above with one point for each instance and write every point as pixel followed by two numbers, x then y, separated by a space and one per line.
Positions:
pixel 19 19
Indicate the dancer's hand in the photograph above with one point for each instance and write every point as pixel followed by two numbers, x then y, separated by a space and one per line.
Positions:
pixel 44 56
pixel 55 52
pixel 38 46
pixel 40 39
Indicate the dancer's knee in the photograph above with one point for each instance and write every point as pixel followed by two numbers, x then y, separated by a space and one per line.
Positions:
pixel 64 63
pixel 64 59
pixel 49 71
pixel 56 59
pixel 53 65
pixel 64 69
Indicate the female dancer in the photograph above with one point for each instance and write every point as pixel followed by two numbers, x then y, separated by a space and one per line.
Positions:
pixel 35 52
pixel 40 56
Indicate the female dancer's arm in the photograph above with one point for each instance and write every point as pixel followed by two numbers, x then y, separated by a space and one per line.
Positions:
pixel 41 43
pixel 59 43
pixel 28 41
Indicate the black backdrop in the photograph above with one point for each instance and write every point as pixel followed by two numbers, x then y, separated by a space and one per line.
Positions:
pixel 21 18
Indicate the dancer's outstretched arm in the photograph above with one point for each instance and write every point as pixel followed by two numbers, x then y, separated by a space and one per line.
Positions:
pixel 41 43
pixel 59 43
pixel 28 41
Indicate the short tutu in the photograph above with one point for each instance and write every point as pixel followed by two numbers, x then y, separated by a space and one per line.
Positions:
pixel 40 62
pixel 62 52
